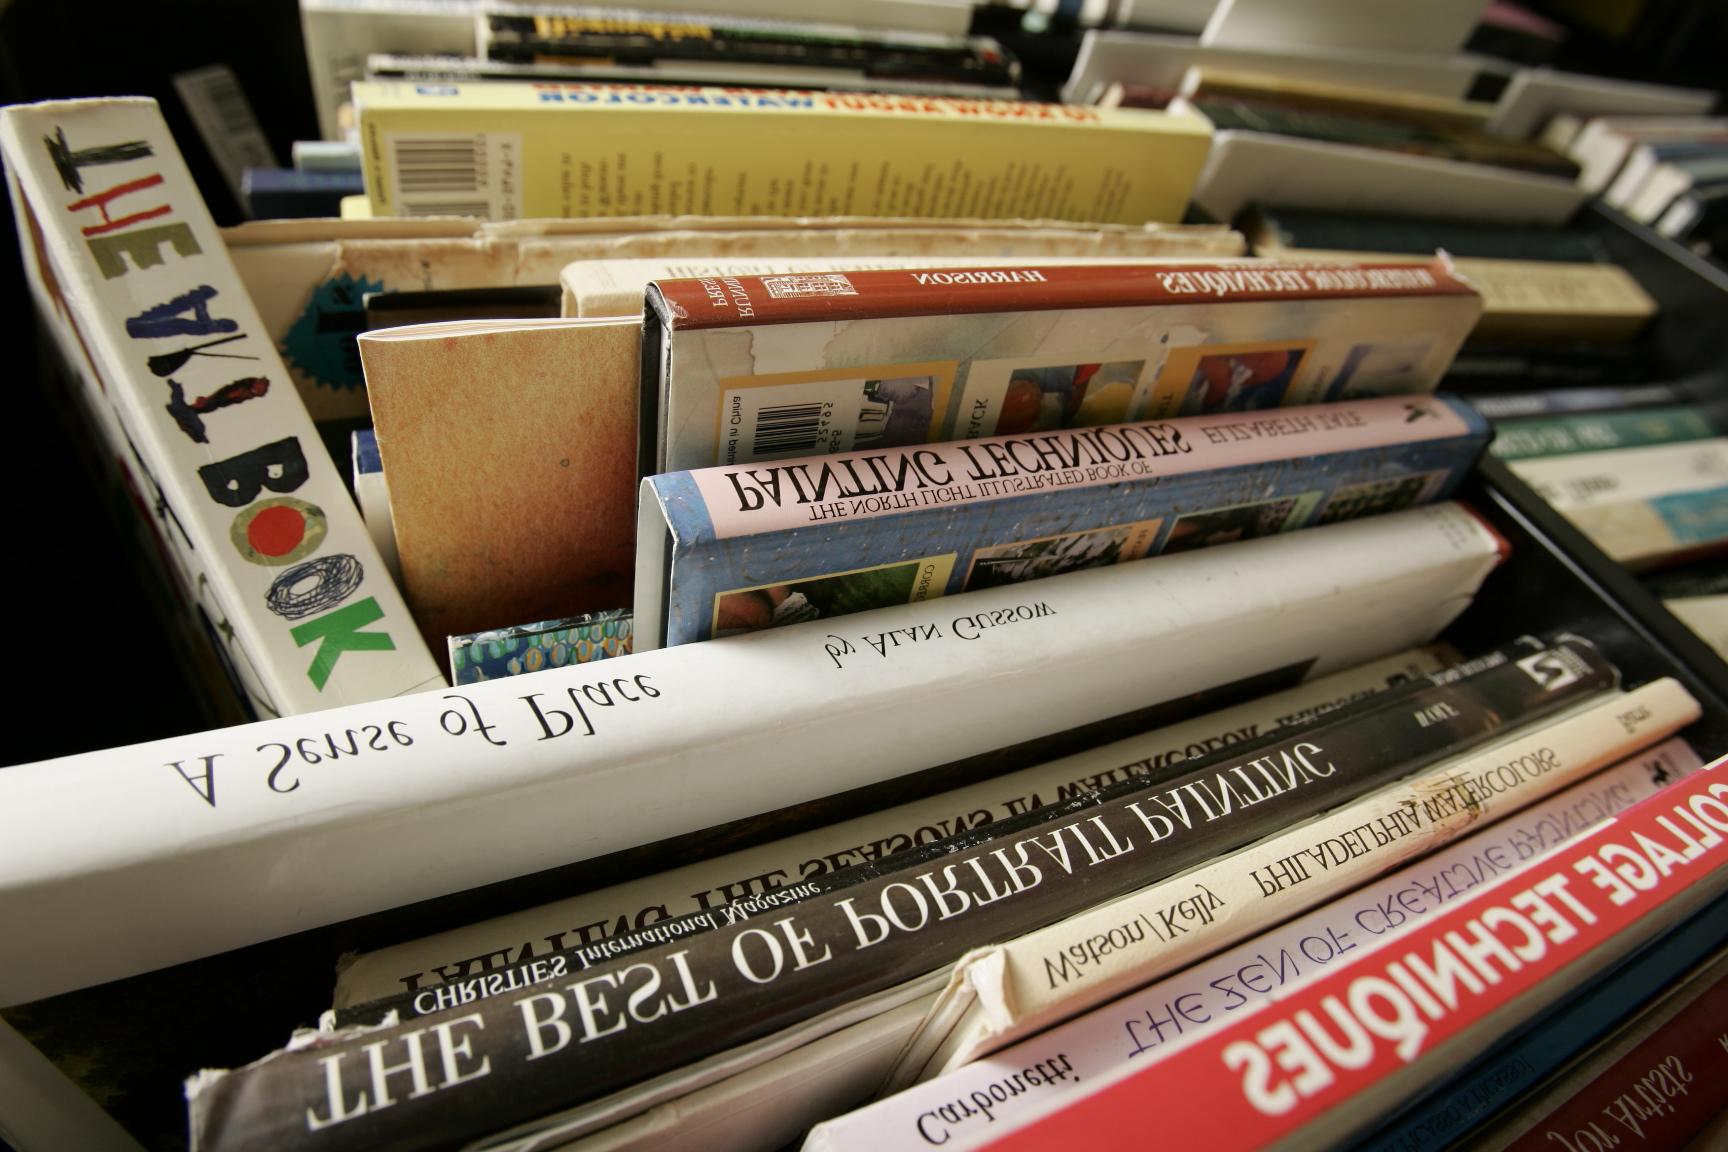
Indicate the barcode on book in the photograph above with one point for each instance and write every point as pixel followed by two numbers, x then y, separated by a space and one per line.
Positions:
pixel 219 110
pixel 819 284
pixel 456 174
pixel 788 428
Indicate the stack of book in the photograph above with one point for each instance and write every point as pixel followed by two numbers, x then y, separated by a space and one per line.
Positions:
pixel 884 649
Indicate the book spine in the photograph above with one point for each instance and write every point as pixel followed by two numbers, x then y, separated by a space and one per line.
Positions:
pixel 1522 1062
pixel 858 530
pixel 1657 1091
pixel 1605 399
pixel 1564 436
pixel 1049 975
pixel 748 301
pixel 779 496
pixel 473 786
pixel 558 963
pixel 734 983
pixel 261 526
pixel 1570 483
pixel 592 918
pixel 587 150
pixel 1640 533
pixel 1338 1045
pixel 964 1106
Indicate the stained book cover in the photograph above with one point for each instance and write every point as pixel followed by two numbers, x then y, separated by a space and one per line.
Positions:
pixel 737 369
pixel 734 549
pixel 507 454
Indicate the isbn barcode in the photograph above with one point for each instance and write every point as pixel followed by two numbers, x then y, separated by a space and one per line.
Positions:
pixel 439 165
pixel 787 428
pixel 229 101
pixel 817 284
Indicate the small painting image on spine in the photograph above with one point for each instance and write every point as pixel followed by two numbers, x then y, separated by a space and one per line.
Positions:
pixel 1032 559
pixel 1238 379
pixel 835 594
pixel 1241 522
pixel 1380 496
pixel 1068 396
pixel 1381 370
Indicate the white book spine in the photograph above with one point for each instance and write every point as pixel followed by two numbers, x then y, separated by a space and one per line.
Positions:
pixel 1587 479
pixel 468 952
pixel 1010 991
pixel 198 844
pixel 968 1106
pixel 132 271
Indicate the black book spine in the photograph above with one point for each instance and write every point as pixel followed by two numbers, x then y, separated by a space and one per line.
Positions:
pixel 445 1078
pixel 532 971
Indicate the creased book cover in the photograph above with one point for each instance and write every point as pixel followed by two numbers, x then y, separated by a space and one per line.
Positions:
pixel 507 151
pixel 744 368
pixel 132 276
pixel 734 549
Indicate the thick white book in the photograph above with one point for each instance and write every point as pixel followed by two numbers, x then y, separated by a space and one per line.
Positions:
pixel 1535 94
pixel 1244 168
pixel 967 1106
pixel 1159 61
pixel 133 278
pixel 1005 993
pixel 132 859
pixel 475 952
pixel 1590 479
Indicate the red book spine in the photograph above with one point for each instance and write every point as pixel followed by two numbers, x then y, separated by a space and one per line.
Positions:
pixel 732 301
pixel 1657 1096
pixel 1291 1062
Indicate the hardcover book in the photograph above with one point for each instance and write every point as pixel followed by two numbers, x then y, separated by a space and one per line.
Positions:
pixel 802 54
pixel 480 950
pixel 1668 528
pixel 731 549
pixel 1458 984
pixel 1659 1080
pixel 255 832
pixel 1011 990
pixel 1618 475
pixel 747 368
pixel 1150 1024
pixel 1602 432
pixel 864 931
pixel 133 278
pixel 617 287
pixel 506 151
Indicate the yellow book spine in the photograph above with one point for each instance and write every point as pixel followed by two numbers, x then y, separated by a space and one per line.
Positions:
pixel 508 151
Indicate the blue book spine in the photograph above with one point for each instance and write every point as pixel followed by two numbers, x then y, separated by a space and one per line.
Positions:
pixel 763 544
pixel 1459 1106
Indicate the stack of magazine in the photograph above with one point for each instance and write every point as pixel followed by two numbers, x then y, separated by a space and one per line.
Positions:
pixel 855 667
